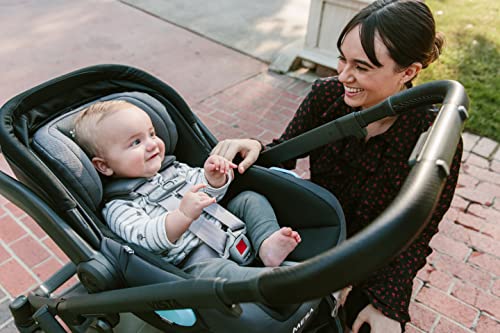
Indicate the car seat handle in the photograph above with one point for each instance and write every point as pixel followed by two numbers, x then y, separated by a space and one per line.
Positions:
pixel 353 124
pixel 393 230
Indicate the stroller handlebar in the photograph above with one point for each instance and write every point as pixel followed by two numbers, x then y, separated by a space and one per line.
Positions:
pixel 394 229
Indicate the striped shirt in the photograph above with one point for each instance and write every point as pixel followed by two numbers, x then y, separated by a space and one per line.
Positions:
pixel 143 223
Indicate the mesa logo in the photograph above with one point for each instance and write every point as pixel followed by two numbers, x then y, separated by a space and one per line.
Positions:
pixel 300 325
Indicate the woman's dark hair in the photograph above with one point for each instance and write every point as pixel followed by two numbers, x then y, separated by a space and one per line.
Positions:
pixel 406 27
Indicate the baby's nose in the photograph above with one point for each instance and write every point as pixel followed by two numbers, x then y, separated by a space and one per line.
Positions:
pixel 150 144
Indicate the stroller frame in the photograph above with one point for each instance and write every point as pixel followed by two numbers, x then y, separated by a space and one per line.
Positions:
pixel 314 277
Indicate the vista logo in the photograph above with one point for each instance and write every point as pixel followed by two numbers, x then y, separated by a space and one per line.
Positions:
pixel 300 325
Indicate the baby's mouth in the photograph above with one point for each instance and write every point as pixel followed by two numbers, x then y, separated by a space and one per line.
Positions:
pixel 153 156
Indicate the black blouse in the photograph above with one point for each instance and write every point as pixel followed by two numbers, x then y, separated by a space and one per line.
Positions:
pixel 366 177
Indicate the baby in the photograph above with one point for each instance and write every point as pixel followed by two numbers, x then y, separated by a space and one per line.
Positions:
pixel 121 140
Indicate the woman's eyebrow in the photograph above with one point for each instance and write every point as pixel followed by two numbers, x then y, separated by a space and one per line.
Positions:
pixel 364 63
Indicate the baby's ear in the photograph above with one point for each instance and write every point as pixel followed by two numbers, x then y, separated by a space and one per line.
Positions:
pixel 102 166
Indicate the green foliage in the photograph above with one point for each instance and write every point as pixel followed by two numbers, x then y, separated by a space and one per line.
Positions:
pixel 471 56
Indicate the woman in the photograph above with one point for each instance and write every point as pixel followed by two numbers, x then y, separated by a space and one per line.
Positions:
pixel 382 49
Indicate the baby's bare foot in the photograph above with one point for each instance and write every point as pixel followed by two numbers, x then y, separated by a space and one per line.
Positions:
pixel 278 246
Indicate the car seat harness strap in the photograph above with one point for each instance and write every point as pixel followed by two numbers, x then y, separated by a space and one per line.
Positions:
pixel 230 241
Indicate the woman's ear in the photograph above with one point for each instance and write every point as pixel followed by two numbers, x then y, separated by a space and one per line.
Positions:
pixel 102 166
pixel 410 72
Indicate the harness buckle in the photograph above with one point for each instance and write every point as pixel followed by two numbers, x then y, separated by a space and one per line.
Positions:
pixel 238 247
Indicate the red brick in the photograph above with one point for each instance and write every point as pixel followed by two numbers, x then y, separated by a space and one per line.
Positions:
pixel 224 117
pixel 488 213
pixel 463 271
pixel 490 189
pixel 33 226
pixel 29 251
pixel 475 223
pixel 483 243
pixel 485 147
pixel 481 174
pixel 470 140
pixel 250 128
pixel 447 326
pixel 436 278
pixel 447 305
pixel 472 238
pixel 452 214
pixel 16 211
pixel 487 325
pixel 497 205
pixel 467 181
pixel 55 249
pixel 470 221
pixel 273 126
pixel 485 262
pixel 475 195
pixel 47 268
pixel 421 316
pixel 10 230
pixel 4 255
pixel 410 328
pixel 465 292
pixel 266 136
pixel 225 131
pixel 489 303
pixel 459 202
pixel 417 285
pixel 495 288
pixel 444 244
pixel 495 165
pixel 478 161
pixel 208 121
pixel 15 279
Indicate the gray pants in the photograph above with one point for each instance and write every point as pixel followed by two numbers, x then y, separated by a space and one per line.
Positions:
pixel 260 220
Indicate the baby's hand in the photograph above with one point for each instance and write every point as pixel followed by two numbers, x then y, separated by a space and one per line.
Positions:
pixel 216 167
pixel 193 202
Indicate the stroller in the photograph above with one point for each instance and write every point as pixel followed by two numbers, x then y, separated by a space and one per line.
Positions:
pixel 123 288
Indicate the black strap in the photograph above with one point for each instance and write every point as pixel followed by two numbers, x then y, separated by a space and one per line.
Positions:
pixel 126 188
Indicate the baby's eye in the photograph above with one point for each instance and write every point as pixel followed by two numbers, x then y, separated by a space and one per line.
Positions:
pixel 135 142
pixel 152 134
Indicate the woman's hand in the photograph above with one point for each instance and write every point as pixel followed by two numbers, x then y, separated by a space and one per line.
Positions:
pixel 248 149
pixel 378 322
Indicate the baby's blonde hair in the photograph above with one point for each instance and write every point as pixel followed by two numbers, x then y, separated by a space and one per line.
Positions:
pixel 86 123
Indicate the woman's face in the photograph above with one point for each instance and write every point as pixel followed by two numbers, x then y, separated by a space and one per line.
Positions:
pixel 365 84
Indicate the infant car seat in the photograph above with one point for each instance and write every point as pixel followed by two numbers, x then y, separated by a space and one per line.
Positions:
pixel 57 169
pixel 59 188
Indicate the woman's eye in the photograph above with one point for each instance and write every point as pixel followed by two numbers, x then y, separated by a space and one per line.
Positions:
pixel 341 58
pixel 362 69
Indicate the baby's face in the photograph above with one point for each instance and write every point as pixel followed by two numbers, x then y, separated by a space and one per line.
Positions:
pixel 128 144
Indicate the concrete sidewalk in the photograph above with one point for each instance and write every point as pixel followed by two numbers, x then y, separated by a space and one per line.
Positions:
pixel 235 96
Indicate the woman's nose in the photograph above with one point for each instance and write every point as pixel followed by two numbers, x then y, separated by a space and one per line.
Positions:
pixel 345 73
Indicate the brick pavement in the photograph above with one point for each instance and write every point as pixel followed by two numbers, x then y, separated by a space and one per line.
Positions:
pixel 457 291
